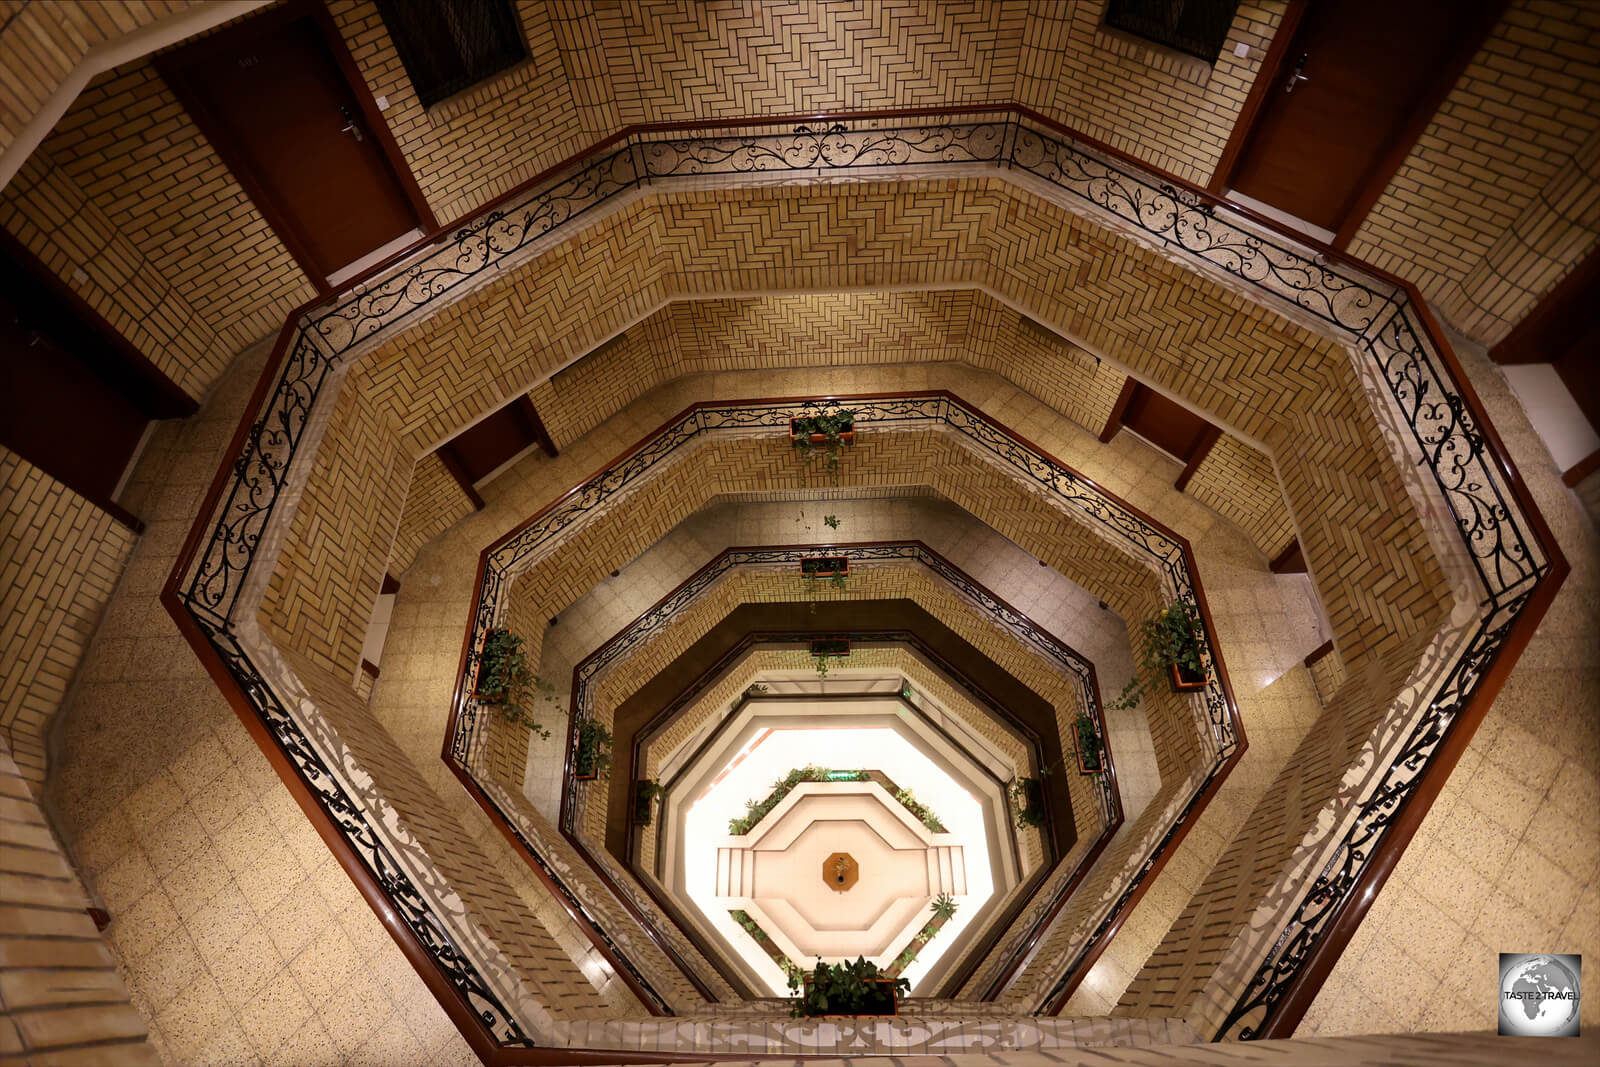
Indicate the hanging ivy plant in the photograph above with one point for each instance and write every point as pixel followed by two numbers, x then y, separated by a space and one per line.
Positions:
pixel 822 437
pixel 1170 646
pixel 506 682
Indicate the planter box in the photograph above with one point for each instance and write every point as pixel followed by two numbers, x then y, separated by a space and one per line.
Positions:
pixel 643 807
pixel 801 426
pixel 830 646
pixel 824 566
pixel 1098 764
pixel 1183 680
pixel 585 766
pixel 886 999
pixel 1033 800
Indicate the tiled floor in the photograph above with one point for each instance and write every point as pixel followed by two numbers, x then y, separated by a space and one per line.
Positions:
pixel 1508 859
pixel 243 941
pixel 1050 599
pixel 1266 623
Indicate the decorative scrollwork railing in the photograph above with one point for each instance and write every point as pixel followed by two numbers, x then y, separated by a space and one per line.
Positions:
pixel 1378 316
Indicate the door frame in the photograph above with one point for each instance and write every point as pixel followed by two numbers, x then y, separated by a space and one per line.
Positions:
pixel 174 68
pixel 1481 21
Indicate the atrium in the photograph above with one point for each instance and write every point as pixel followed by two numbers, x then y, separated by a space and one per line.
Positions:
pixel 539 531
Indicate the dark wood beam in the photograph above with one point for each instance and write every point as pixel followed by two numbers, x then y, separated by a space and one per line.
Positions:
pixel 1197 456
pixel 1290 561
pixel 458 470
pixel 1582 469
pixel 528 415
pixel 1318 653
pixel 1120 408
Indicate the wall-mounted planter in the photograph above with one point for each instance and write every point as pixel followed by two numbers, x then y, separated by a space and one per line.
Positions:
pixel 1183 680
pixel 1091 753
pixel 825 566
pixel 836 647
pixel 807 426
pixel 593 753
pixel 881 1005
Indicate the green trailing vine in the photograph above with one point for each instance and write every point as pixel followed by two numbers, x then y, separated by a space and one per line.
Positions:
pixel 644 795
pixel 594 749
pixel 1027 802
pixel 509 685
pixel 831 427
pixel 909 801
pixel 755 810
pixel 849 988
pixel 1091 750
pixel 1171 639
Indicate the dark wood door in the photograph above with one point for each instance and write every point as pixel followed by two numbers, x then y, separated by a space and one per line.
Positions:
pixel 271 97
pixel 1346 98
pixel 57 412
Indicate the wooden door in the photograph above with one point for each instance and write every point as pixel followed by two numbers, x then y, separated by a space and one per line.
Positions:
pixel 273 99
pixel 56 412
pixel 1348 98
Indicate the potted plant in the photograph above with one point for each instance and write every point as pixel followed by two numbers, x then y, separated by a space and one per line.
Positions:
pixel 1169 645
pixel 1027 802
pixel 1091 751
pixel 644 795
pixel 593 757
pixel 828 649
pixel 944 908
pixel 850 988
pixel 505 682
pixel 825 567
pixel 824 435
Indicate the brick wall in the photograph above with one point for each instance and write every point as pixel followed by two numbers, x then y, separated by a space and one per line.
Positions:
pixel 433 502
pixel 328 576
pixel 1238 482
pixel 60 557
pixel 1162 107
pixel 1500 198
pixel 40 44
pixel 136 153
pixel 61 999
pixel 468 149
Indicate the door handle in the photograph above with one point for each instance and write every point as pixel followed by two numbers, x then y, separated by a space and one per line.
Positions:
pixel 1297 74
pixel 350 125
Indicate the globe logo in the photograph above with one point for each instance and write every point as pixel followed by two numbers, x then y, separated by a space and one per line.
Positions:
pixel 1539 995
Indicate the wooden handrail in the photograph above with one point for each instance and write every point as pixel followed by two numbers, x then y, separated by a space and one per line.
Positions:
pixel 1371 879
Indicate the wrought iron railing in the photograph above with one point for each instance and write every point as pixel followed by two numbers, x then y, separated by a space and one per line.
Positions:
pixel 1495 520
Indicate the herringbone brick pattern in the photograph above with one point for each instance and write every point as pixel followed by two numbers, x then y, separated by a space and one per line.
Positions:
pixel 434 501
pixel 764 465
pixel 1237 481
pixel 866 583
pixel 1208 345
pixel 823 330
pixel 59 561
pixel 1497 200
pixel 326 582
pixel 680 60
